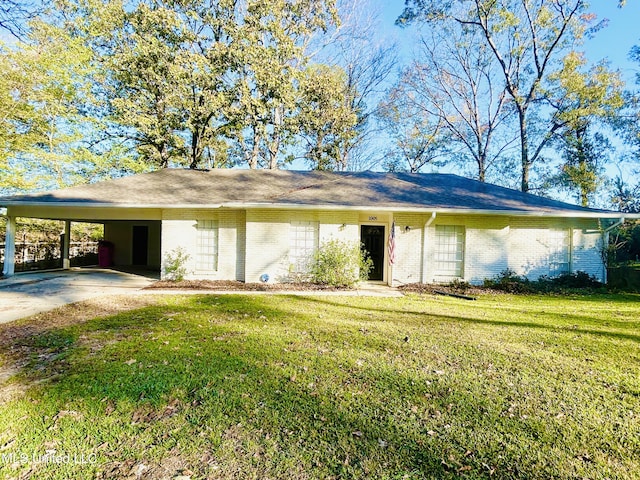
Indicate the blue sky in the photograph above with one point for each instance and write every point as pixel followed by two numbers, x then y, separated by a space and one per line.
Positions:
pixel 612 42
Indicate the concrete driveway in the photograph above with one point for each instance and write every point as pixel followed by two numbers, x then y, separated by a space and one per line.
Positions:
pixel 26 294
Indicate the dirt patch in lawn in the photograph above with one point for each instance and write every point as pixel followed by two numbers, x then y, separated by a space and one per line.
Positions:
pixel 21 341
pixel 230 285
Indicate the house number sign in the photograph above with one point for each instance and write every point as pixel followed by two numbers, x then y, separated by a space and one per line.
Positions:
pixel 373 219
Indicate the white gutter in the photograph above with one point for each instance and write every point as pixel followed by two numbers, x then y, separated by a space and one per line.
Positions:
pixel 294 206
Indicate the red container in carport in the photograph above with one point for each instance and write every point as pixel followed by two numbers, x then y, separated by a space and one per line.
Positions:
pixel 105 254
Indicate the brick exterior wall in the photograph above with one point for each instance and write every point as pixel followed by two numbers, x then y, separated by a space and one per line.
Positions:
pixel 257 242
pixel 179 229
pixel 494 244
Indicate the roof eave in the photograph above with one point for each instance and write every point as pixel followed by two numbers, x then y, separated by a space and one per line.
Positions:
pixel 333 207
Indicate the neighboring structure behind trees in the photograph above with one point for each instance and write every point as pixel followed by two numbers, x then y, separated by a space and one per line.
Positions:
pixel 257 225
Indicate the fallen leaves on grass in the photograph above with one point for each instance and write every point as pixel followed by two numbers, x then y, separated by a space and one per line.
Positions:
pixel 233 285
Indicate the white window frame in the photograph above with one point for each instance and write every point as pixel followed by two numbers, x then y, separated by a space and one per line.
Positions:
pixel 559 244
pixel 303 243
pixel 207 246
pixel 449 251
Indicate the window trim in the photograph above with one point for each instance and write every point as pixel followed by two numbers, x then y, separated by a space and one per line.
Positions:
pixel 296 258
pixel 207 261
pixel 439 253
pixel 565 250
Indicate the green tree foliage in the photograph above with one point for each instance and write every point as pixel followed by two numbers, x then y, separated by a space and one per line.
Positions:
pixel 624 245
pixel 327 124
pixel 416 141
pixel 584 100
pixel 625 197
pixel 45 129
pixel 629 124
pixel 205 82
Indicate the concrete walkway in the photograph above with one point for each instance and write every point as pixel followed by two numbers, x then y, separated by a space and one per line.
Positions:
pixel 29 293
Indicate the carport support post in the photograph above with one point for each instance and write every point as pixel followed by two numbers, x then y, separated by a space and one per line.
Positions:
pixel 66 264
pixel 10 248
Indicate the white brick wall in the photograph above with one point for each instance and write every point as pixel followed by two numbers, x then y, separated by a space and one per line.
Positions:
pixel 409 248
pixel 486 253
pixel 493 244
pixel 267 245
pixel 267 238
pixel 257 242
pixel 529 251
pixel 179 229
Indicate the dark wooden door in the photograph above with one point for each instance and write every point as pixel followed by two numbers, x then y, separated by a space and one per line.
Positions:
pixel 140 245
pixel 372 238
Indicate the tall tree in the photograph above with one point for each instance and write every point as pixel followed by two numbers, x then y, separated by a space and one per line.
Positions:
pixel 416 135
pixel 454 81
pixel 528 38
pixel 368 60
pixel 273 37
pixel 161 73
pixel 194 80
pixel 327 124
pixel 584 100
pixel 630 124
pixel 46 135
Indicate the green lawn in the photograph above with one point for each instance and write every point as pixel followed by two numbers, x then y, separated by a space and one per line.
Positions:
pixel 325 387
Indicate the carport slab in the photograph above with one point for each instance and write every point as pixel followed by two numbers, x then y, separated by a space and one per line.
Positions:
pixel 26 294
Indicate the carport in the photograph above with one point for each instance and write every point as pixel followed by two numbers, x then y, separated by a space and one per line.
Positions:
pixel 134 232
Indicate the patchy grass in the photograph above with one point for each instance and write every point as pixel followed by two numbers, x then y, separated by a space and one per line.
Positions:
pixel 324 387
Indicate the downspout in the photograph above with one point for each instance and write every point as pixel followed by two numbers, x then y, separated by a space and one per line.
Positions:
pixel 605 243
pixel 424 246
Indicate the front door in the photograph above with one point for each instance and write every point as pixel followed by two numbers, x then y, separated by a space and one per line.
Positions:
pixel 372 238
pixel 140 245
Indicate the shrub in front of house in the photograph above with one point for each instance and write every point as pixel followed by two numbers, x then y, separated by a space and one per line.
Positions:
pixel 508 281
pixel 175 263
pixel 340 264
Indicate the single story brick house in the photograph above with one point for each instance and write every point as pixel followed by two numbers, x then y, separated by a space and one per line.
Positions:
pixel 250 225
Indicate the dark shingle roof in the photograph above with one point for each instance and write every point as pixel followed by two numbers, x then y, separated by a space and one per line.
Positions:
pixel 179 188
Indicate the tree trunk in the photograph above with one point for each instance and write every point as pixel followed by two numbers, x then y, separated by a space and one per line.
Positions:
pixel 253 156
pixel 524 150
pixel 274 144
pixel 195 141
pixel 583 167
pixel 164 155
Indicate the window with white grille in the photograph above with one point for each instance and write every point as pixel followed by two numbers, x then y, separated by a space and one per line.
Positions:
pixel 303 242
pixel 207 246
pixel 559 252
pixel 449 251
